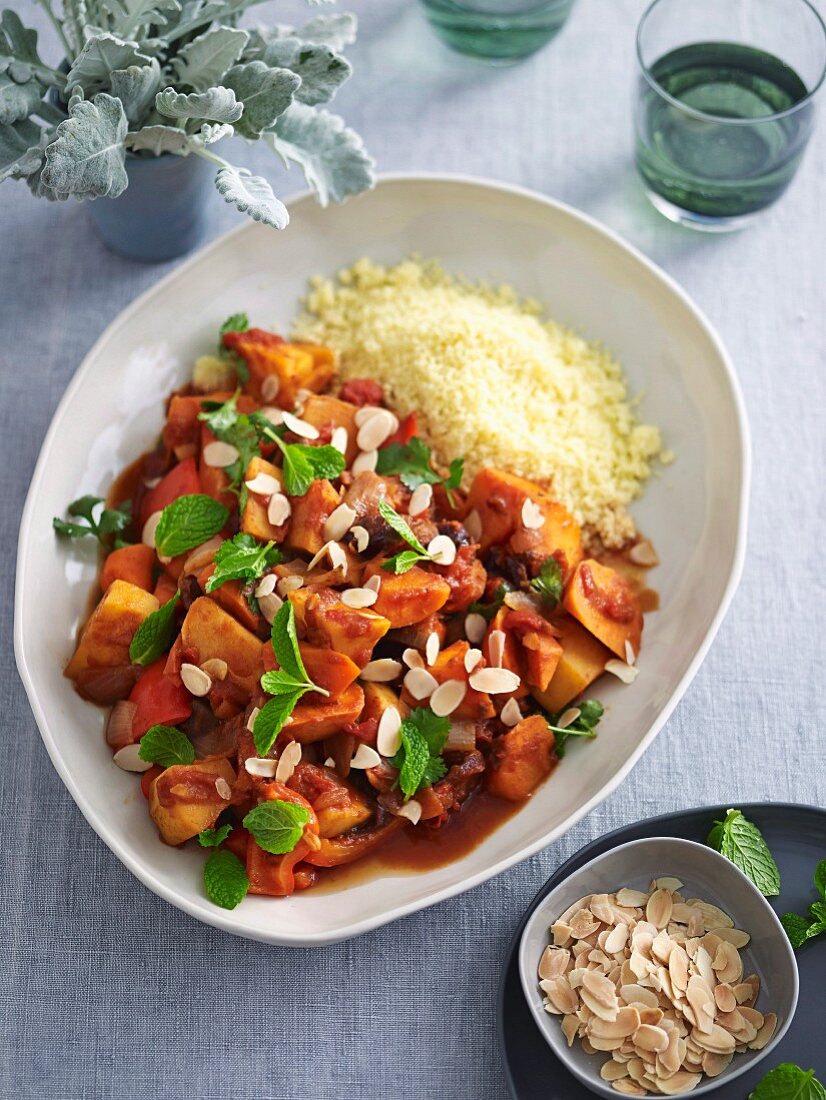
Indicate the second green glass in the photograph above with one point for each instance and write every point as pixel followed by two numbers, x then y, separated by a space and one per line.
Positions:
pixel 497 31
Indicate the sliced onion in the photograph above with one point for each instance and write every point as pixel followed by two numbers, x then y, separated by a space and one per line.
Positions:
pixel 107 685
pixel 461 737
pixel 119 724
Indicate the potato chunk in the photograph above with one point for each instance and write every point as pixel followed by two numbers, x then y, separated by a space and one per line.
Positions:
pixel 323 411
pixel 606 605
pixel 333 625
pixel 107 635
pixel 582 660
pixel 522 759
pixel 209 631
pixel 183 799
pixel 254 519
pixel 309 514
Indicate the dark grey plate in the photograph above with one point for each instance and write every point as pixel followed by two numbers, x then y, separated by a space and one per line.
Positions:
pixel 797 838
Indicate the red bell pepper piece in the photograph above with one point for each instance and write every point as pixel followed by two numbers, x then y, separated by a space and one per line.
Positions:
pixel 181 481
pixel 159 699
pixel 405 431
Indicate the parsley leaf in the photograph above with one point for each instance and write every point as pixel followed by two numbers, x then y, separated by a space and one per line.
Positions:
pixel 590 713
pixel 411 461
pixel 225 879
pixel 788 1082
pixel 407 558
pixel 242 558
pixel 453 480
pixel 187 522
pixel 423 736
pixel 800 929
pixel 107 522
pixel 167 746
pixel 211 838
pixel 154 634
pixel 488 610
pixel 277 826
pixel 740 841
pixel 549 582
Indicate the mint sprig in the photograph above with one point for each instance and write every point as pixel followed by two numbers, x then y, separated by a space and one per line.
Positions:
pixel 187 522
pixel 242 558
pixel 225 879
pixel 788 1082
pixel 800 929
pixel 230 426
pixel 211 838
pixel 400 563
pixel 167 746
pixel 277 826
pixel 740 841
pixel 101 522
pixel 411 462
pixel 302 464
pixel 548 584
pixel 151 640
pixel 423 736
pixel 585 725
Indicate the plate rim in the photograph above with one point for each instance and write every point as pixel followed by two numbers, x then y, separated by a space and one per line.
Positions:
pixel 223 919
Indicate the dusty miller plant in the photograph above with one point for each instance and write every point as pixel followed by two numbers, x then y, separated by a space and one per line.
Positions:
pixel 175 76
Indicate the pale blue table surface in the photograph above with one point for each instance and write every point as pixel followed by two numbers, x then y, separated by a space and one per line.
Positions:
pixel 108 992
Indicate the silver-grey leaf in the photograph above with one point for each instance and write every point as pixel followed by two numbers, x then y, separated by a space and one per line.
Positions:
pixel 129 18
pixel 336 30
pixel 17 41
pixel 332 156
pixel 215 104
pixel 252 195
pixel 17 101
pixel 322 71
pixel 102 55
pixel 136 88
pixel 265 92
pixel 86 158
pixel 202 62
pixel 21 149
pixel 211 132
pixel 159 139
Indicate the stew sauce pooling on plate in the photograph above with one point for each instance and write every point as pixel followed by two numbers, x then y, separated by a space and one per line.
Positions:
pixel 314 638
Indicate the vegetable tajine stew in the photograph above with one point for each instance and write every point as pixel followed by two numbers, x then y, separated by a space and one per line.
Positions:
pixel 314 637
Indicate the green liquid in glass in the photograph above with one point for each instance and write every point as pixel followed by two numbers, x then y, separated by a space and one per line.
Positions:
pixel 713 168
pixel 499 31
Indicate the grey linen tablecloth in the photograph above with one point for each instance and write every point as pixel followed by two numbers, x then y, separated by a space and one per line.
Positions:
pixel 108 992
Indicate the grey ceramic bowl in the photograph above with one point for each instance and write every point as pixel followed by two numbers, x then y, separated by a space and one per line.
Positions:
pixel 706 875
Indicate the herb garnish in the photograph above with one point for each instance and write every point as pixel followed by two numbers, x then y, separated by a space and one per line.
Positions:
pixel 238 322
pixel 211 838
pixel 277 826
pixel 740 841
pixel 411 461
pixel 166 745
pixel 242 558
pixel 488 610
pixel 800 929
pixel 585 725
pixel 788 1082
pixel 303 465
pixel 549 582
pixel 187 522
pixel 109 521
pixel 153 636
pixel 230 426
pixel 400 563
pixel 423 736
pixel 288 684
pixel 225 879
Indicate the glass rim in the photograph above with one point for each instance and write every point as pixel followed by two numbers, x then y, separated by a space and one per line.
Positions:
pixel 706 116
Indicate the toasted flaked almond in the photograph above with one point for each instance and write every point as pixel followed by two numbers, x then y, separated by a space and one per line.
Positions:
pixel 600 987
pixel 623 671
pixel 472 659
pixel 661 946
pixel 431 647
pixel 335 552
pixel 616 939
pixel 532 515
pixel 605 1044
pixel 714 1064
pixel 765 1032
pixel 252 716
pixel 473 525
pixel 260 766
pixel 562 998
pixel 658 908
pixel 681 1081
pixel 365 757
pixel 219 454
pixel 631 898
pixel 568 717
pixel 554 962
pixel 643 553
pixel 323 551
pixel 359 597
pixel 223 788
pixel 724 998
pixel 376 430
pixel 279 509
pixel 364 413
pixel 270 605
pixel 151 526
pixel 129 760
pixel 373 583
pixel 412 658
pixel 266 586
pixel 667 882
pixel 273 414
pixel 637 994
pixel 447 697
pixel 678 967
pixel 361 538
pixel 291 583
pixel 626 1022
pixel 630 655
pixel 561 933
pixel 649 1037
pixel 388 736
pixel 716 1039
pixel 289 759
pixel 196 681
pixel 364 462
pixel 381 671
pixel 420 499
pixel 583 924
pixel 702 964
pixel 339 522
pixel 300 427
pixel 215 668
pixel 202 555
pixel 628 1087
pixel 152 482
pixel 701 1000
pixel 640 966
pixel 570 1028
pixel 475 627
pixel 494 681
pixel 712 914
pixel 510 714
pixel 613 1071
pixel 496 647
pixel 727 963
pixel 329 762
pixel 753 984
pixel 270 386
pixel 263 485
pixel 412 810
pixel 442 550
pixel 340 439
pixel 735 936
pixel 420 683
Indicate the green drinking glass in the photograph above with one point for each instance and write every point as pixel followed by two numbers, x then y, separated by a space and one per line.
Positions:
pixel 500 32
pixel 725 105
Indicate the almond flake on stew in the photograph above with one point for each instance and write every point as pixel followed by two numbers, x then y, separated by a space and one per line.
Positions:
pixel 202 555
pixel 149 529
pixel 364 758
pixel 568 717
pixel 329 762
pixel 263 485
pixel 643 553
pixel 279 509
pixel 288 761
pixel 196 681
pixel 365 462
pixel 220 454
pixel 373 583
pixel 447 697
pixel 270 606
pixel 359 597
pixel 338 559
pixel 316 558
pixel 339 522
pixel 420 683
pixel 412 810
pixel 223 788
pixel 266 586
pixel 128 759
pixel 365 413
pixel 476 627
pixel 625 672
pixel 388 736
pixel 381 671
pixel 442 550
pixel 431 647
pixel 300 427
pixel 251 720
pixel 494 681
pixel 376 431
pixel 340 440
pixel 472 659
pixel 289 584
pixel 274 415
pixel 270 387
pixel 151 482
pixel 532 516
pixel 216 668
pixel 473 525
pixel 420 499
pixel 260 766
pixel 412 658
pixel 511 714
pixel 496 644
pixel 361 537
pixel 630 655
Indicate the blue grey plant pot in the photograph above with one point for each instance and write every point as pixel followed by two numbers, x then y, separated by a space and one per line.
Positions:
pixel 163 213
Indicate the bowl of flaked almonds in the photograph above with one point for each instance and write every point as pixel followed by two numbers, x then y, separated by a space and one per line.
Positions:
pixel 658 969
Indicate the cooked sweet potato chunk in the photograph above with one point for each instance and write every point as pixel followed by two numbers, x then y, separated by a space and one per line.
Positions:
pixel 558 537
pixel 377 698
pixel 327 413
pixel 582 660
pixel 254 519
pixel 105 640
pixel 606 605
pixel 183 800
pixel 129 563
pixel 309 515
pixel 331 624
pixel 315 717
pixel 209 631
pixel 330 670
pixel 409 597
pixel 230 596
pixel 296 366
pixel 521 759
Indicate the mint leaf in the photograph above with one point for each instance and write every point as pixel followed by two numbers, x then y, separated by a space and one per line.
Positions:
pixel 741 842
pixel 167 746
pixel 277 826
pixel 549 582
pixel 800 929
pixel 242 558
pixel 488 610
pixel 271 718
pixel 401 563
pixel 225 879
pixel 237 429
pixel 590 713
pixel 211 838
pixel 303 465
pixel 187 522
pixel 788 1082
pixel 423 735
pixel 153 636
pixel 820 878
pixel 285 643
pixel 797 928
pixel 281 683
pixel 100 522
pixel 393 520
